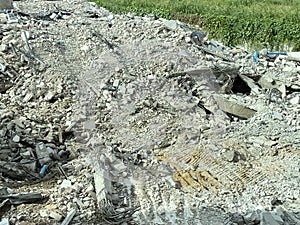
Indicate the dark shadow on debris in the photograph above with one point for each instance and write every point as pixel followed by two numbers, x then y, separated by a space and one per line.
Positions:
pixel 239 86
pixel 35 163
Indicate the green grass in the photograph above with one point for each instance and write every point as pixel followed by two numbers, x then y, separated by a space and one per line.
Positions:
pixel 260 23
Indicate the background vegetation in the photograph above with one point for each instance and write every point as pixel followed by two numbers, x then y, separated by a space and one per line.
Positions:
pixel 260 23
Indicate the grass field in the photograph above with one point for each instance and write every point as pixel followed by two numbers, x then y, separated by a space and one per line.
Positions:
pixel 260 23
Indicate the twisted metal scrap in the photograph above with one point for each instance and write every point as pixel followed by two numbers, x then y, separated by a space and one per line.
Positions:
pixel 113 215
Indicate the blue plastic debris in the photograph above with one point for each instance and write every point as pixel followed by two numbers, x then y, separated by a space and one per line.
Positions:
pixel 276 53
pixel 256 56
pixel 43 170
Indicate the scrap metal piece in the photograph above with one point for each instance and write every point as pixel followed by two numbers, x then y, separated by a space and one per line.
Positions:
pixel 206 50
pixel 113 215
pixel 2 204
pixel 23 197
pixel 104 40
pixel 61 170
pixel 198 37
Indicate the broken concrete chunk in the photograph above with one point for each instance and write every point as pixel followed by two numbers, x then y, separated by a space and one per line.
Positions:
pixel 295 100
pixel 28 97
pixel 268 218
pixel 16 138
pixel 102 186
pixel 3 18
pixel 44 213
pixel 89 124
pixel 66 184
pixel 252 217
pixel 50 95
pixel 234 108
pixel 257 140
pixel 116 82
pixel 55 215
pixel 3 47
pixel 229 155
pixel 294 56
pixel 170 24
pixel 4 221
pixel 69 217
pixel 85 48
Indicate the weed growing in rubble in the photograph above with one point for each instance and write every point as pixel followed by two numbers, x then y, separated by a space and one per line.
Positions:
pixel 261 23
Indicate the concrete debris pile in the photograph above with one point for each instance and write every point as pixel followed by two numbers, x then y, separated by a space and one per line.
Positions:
pixel 121 119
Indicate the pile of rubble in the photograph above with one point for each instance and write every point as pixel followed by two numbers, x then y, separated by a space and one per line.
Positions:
pixel 120 119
